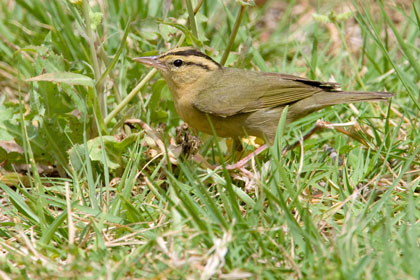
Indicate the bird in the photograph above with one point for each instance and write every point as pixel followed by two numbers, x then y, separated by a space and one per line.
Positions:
pixel 240 102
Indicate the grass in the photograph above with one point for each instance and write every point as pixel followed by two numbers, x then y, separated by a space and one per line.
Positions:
pixel 85 196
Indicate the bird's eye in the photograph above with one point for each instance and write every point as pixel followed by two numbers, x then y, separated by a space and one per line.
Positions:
pixel 178 63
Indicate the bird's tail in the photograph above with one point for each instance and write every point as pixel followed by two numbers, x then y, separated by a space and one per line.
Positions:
pixel 329 98
pixel 341 97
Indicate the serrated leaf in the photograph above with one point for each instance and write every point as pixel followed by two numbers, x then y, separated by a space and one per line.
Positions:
pixel 68 78
pixel 31 48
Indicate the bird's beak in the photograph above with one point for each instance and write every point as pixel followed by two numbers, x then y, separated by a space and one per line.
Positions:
pixel 151 61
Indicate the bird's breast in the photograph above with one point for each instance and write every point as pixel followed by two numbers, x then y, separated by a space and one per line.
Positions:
pixel 189 114
pixel 231 126
pixel 225 127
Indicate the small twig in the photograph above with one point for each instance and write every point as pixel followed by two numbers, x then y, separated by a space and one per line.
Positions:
pixel 70 223
pixel 197 8
pixel 323 124
pixel 152 134
pixel 69 215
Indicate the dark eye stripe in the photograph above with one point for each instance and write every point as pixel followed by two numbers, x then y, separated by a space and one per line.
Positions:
pixel 205 67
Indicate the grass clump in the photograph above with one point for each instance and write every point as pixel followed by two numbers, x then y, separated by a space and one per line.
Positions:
pixel 84 195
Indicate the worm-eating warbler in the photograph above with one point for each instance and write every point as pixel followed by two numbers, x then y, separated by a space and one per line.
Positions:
pixel 241 102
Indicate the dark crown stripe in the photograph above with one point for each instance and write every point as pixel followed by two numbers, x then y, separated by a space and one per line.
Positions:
pixel 191 52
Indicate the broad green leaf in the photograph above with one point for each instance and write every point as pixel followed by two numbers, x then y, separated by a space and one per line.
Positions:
pixel 5 115
pixel 68 78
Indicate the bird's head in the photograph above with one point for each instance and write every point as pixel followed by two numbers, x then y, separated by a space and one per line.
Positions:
pixel 182 67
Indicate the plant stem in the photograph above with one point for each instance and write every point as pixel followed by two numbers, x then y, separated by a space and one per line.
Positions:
pixel 191 18
pixel 131 95
pixel 233 35
pixel 115 88
pixel 93 55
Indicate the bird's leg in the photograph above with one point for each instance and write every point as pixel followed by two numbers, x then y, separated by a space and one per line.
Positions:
pixel 242 162
pixel 237 148
pixel 318 126
pixel 237 144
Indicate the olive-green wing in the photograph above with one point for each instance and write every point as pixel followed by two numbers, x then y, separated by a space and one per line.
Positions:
pixel 239 91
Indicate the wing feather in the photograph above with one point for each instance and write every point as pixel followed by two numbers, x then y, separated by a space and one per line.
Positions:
pixel 241 91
